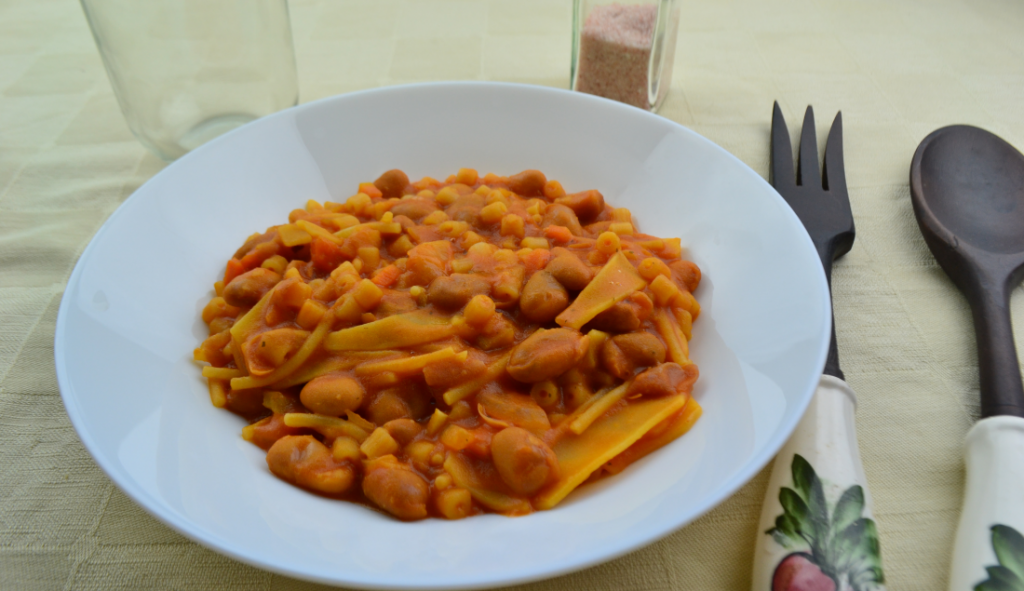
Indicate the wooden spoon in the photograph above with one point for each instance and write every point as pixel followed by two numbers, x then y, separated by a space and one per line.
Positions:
pixel 967 187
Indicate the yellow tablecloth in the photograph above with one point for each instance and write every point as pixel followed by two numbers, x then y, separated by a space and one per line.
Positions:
pixel 898 69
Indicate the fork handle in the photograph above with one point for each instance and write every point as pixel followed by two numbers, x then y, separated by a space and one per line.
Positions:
pixel 823 450
pixel 827 254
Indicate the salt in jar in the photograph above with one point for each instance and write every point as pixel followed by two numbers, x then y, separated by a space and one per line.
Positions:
pixel 623 50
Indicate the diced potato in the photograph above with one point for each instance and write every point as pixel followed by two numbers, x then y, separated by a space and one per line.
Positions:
pixel 420 452
pixel 367 294
pixel 379 443
pixel 493 213
pixel 445 196
pixel 310 314
pixel 456 437
pixel 454 503
pixel 346 448
pixel 466 176
pixel 293 235
pixel 513 225
pixel 479 310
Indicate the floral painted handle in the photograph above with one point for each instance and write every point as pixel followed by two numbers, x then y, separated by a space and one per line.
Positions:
pixel 816 532
pixel 988 554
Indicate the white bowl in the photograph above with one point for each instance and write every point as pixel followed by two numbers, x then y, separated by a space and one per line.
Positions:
pixel 130 319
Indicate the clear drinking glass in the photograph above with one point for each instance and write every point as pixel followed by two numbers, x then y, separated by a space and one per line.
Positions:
pixel 186 71
pixel 624 50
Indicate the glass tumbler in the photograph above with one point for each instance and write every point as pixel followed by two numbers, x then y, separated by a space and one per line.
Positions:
pixel 186 71
pixel 624 50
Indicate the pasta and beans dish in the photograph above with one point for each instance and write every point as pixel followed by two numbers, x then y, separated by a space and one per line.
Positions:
pixel 429 348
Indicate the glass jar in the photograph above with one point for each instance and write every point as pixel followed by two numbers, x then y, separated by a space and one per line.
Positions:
pixel 624 50
pixel 186 71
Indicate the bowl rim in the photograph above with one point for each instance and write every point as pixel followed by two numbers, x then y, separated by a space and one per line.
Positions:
pixel 208 539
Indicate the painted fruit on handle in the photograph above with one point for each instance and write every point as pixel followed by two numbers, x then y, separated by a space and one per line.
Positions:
pixel 798 572
pixel 835 548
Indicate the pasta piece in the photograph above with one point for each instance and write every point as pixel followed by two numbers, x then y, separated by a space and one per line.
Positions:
pixel 597 406
pixel 266 351
pixel 388 228
pixel 676 427
pixel 580 455
pixel 357 420
pixel 243 328
pixel 685 322
pixel 409 365
pixel 318 231
pixel 462 391
pixel 463 475
pixel 222 373
pixel 394 332
pixel 614 283
pixel 678 349
pixel 330 426
pixel 218 392
pixel 333 364
pixel 437 420
pixel 300 357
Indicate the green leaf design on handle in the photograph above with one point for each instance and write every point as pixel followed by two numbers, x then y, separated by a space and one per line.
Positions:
pixel 1008 575
pixel 843 544
pixel 795 509
pixel 848 508
pixel 803 475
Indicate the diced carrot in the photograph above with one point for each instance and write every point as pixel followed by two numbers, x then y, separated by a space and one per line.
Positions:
pixel 326 255
pixel 234 269
pixel 371 190
pixel 537 259
pixel 260 253
pixel 559 234
pixel 387 276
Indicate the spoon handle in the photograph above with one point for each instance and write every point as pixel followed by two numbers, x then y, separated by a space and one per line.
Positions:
pixel 989 545
pixel 1001 390
pixel 816 526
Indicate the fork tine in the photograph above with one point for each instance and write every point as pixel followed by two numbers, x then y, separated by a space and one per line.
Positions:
pixel 835 175
pixel 807 171
pixel 780 169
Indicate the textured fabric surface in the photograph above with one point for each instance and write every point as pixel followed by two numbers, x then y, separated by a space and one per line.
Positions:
pixel 898 69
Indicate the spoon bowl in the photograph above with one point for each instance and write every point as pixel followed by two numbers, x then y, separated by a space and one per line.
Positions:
pixel 967 188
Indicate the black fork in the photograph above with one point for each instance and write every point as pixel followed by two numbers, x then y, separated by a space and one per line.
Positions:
pixel 819 200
